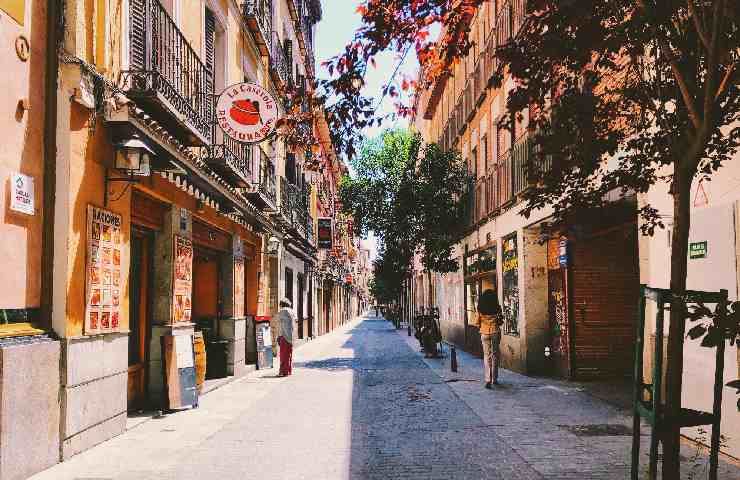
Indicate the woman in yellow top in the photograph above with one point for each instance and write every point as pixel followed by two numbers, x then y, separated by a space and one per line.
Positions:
pixel 489 321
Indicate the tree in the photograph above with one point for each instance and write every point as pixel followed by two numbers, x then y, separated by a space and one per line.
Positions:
pixel 412 197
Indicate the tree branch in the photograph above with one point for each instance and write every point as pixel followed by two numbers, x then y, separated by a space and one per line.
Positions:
pixel 712 63
pixel 725 82
pixel 680 80
pixel 697 24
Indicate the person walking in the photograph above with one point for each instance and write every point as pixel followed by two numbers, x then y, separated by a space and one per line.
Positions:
pixel 489 320
pixel 285 340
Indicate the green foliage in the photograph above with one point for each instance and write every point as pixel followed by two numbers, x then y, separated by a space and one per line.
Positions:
pixel 412 197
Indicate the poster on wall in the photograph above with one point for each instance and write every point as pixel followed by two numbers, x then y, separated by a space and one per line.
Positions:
pixel 103 271
pixel 510 285
pixel 183 281
pixel 324 233
pixel 238 287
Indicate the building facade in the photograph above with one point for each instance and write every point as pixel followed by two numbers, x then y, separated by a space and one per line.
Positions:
pixel 555 321
pixel 569 298
pixel 131 217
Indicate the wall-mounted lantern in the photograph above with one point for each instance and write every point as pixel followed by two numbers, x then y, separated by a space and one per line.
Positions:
pixel 133 159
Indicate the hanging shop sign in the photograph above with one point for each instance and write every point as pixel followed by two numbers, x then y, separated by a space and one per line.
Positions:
pixel 103 271
pixel 324 233
pixel 246 112
pixel 697 250
pixel 21 193
pixel 183 281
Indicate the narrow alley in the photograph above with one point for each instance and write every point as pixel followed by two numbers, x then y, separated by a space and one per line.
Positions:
pixel 363 404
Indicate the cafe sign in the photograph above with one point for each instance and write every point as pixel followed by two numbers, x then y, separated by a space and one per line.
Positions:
pixel 246 112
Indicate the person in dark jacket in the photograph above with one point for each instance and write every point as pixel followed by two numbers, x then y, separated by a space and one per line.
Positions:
pixel 489 320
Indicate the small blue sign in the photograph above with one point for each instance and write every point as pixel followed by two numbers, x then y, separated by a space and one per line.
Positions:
pixel 563 252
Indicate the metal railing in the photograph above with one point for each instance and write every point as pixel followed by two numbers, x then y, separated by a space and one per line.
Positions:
pixel 260 11
pixel 163 62
pixel 278 61
pixel 266 179
pixel 229 152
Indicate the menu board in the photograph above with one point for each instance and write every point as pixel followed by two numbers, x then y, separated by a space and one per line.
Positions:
pixel 183 281
pixel 238 287
pixel 179 371
pixel 103 271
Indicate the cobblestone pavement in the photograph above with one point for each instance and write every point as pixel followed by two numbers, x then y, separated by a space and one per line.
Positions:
pixel 363 404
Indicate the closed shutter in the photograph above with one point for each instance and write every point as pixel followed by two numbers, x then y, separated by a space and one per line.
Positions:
pixel 210 47
pixel 137 35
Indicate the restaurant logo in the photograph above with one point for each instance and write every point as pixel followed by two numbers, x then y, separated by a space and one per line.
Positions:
pixel 246 112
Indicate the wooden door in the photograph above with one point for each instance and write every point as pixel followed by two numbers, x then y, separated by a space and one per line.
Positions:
pixel 139 325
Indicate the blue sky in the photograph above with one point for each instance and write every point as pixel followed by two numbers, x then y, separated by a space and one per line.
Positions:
pixel 335 30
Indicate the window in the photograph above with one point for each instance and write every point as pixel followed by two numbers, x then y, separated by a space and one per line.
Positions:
pixel 289 285
pixel 484 152
pixel 473 167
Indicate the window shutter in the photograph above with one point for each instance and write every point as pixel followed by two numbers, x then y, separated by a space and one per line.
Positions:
pixel 137 35
pixel 288 45
pixel 210 47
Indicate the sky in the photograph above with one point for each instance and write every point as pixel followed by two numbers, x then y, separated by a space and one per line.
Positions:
pixel 335 30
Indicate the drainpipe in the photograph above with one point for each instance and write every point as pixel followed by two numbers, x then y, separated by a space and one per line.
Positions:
pixel 50 153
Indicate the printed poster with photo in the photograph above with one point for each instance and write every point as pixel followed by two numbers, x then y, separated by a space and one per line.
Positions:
pixel 238 287
pixel 183 281
pixel 103 271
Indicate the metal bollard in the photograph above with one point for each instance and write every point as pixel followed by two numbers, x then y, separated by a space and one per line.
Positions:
pixel 453 358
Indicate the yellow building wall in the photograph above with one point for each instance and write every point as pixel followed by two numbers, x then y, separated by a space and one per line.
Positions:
pixel 21 151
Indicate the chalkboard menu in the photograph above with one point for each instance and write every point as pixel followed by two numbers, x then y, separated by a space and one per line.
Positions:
pixel 264 345
pixel 179 371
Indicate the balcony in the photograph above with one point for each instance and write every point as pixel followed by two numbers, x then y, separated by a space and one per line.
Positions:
pixel 258 16
pixel 263 191
pixel 166 77
pixel 231 160
pixel 514 172
pixel 293 208
pixel 280 69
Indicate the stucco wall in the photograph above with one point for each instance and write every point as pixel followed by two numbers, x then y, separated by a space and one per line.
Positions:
pixel 21 152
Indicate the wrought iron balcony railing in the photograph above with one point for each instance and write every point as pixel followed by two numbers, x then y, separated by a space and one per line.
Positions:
pixel 258 15
pixel 279 66
pixel 263 190
pixel 166 73
pixel 230 159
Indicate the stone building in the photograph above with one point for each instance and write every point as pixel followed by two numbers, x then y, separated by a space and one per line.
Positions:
pixel 556 322
pixel 131 217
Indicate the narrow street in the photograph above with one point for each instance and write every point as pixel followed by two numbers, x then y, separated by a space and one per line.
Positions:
pixel 363 404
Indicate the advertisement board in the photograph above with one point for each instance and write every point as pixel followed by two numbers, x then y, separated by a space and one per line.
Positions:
pixel 324 233
pixel 103 272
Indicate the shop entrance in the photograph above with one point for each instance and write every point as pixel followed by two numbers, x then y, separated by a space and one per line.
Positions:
pixel 139 325
pixel 558 318
pixel 207 308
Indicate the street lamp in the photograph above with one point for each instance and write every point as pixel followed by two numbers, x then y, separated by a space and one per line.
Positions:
pixel 133 159
pixel 273 246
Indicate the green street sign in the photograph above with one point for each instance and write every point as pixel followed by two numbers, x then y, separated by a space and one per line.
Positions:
pixel 697 250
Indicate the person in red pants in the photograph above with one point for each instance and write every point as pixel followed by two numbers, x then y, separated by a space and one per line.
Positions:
pixel 285 340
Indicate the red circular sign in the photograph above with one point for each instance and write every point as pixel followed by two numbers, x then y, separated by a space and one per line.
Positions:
pixel 246 112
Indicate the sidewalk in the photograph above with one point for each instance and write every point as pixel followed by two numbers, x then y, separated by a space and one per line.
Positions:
pixel 564 429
